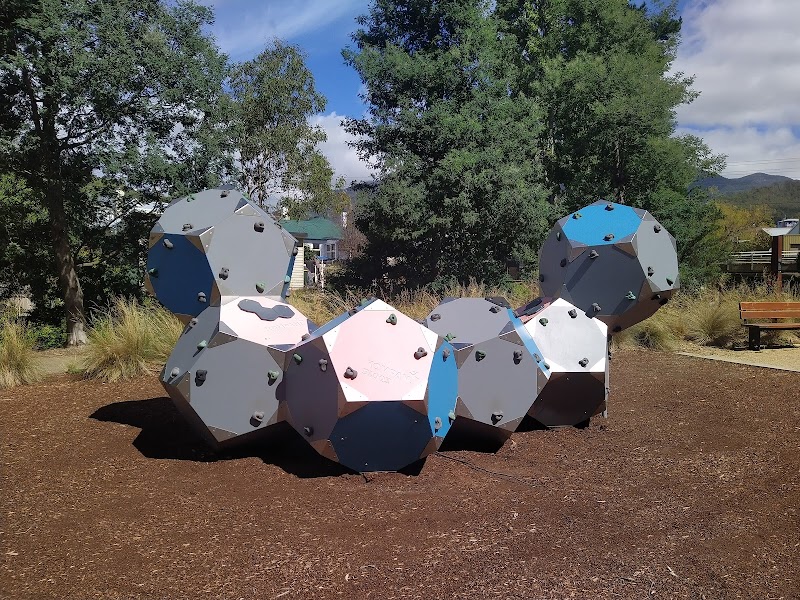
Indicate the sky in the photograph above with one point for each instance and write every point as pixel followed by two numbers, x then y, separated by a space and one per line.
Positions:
pixel 744 55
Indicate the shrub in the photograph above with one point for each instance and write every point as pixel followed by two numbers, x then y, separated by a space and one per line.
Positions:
pixel 655 333
pixel 47 336
pixel 712 323
pixel 129 339
pixel 17 356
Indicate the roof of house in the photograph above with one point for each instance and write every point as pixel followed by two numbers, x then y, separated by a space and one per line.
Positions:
pixel 318 228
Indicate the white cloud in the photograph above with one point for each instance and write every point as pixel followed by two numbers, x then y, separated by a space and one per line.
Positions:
pixel 244 27
pixel 344 159
pixel 745 55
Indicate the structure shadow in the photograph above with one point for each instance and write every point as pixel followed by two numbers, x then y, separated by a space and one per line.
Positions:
pixel 165 435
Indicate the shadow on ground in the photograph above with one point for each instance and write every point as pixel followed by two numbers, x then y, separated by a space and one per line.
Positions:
pixel 165 435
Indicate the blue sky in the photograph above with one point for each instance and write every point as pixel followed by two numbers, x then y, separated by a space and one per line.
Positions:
pixel 744 54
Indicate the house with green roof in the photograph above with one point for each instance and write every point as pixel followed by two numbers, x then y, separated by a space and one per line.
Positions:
pixel 320 234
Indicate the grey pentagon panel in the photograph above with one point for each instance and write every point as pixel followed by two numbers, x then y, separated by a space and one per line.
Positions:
pixel 575 350
pixel 373 389
pixel 226 371
pixel 500 370
pixel 611 261
pixel 200 210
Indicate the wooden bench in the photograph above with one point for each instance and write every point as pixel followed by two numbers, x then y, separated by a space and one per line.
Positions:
pixel 768 310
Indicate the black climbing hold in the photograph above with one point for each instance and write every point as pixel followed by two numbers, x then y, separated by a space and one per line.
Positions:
pixel 153 273
pixel 609 206
pixel 497 416
pixel 445 353
pixel 257 417
pixel 201 297
pixel 650 271
pixel 272 376
pixel 352 311
pixel 546 366
pixel 495 309
pixel 573 313
pixel 437 423
pixel 479 355
pixel 223 194
pixel 420 353
pixel 193 322
pixel 657 228
pixel 260 287
pixel 187 227
pixel 435 317
pixel 558 236
pixel 392 319
pixel 583 362
pixel 670 281
pixel 305 336
pixel 297 358
pixel 175 372
pixel 541 277
pixel 323 365
pixel 518 354
pixel 223 273
pixel 259 226
pixel 608 237
pixel 563 262
pixel 630 296
pixel 537 358
pixel 617 329
pixel 200 377
pixel 656 297
pixel 663 301
pixel 596 307
pixel 593 254
pixel 309 431
pixel 350 373
pixel 294 251
pixel 577 215
pixel 168 244
pixel 544 322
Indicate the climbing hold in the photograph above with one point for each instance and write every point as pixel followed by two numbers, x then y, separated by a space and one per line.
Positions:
pixel 187 227
pixel 272 376
pixel 350 373
pixel 259 226
pixel 202 344
pixel 437 423
pixel 168 244
pixel 449 337
pixel 593 254
pixel 518 354
pixel 297 358
pixel 479 355
pixel 650 271
pixel 577 215
pixel 563 262
pixel 258 417
pixel 608 237
pixel 544 322
pixel 223 273
pixel 305 336
pixel 497 416
pixel 670 281
pixel 617 328
pixel 596 307
pixel 260 287
pixel 573 313
pixel 583 362
pixel 558 236
pixel 541 277
pixel 223 194
pixel 392 319
pixel 495 309
pixel 657 228
pixel 656 297
pixel 546 366
pixel 609 206
pixel 175 372
pixel 630 296
pixel 352 311
pixel 201 297
pixel 309 431
pixel 323 365
pixel 294 251
pixel 445 353
pixel 193 322
pixel 420 353
pixel 451 416
pixel 200 376
pixel 435 317
pixel 537 358
pixel 153 273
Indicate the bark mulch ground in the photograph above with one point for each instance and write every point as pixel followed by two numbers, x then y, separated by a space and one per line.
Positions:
pixel 690 489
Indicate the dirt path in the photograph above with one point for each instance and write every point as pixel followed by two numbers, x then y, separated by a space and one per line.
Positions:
pixel 59 360
pixel 787 359
pixel 690 489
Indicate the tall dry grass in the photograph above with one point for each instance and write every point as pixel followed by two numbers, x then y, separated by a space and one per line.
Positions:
pixel 130 339
pixel 17 354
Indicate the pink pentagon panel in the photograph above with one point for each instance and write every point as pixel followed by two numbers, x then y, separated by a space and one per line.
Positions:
pixel 245 323
pixel 385 357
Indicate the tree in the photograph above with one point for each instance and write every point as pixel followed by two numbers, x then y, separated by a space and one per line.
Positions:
pixel 458 191
pixel 741 226
pixel 101 97
pixel 273 97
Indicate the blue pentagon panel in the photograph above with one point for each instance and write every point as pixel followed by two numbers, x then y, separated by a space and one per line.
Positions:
pixel 442 390
pixel 381 436
pixel 594 225
pixel 531 346
pixel 179 275
pixel 200 210
pixel 248 255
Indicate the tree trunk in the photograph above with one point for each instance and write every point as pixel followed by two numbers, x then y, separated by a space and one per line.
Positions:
pixel 67 276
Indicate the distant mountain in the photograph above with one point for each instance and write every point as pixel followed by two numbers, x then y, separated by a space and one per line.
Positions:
pixel 724 186
pixel 782 198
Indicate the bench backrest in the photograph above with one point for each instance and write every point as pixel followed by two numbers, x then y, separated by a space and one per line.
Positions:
pixel 769 310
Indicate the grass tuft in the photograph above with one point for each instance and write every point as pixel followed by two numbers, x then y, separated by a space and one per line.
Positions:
pixel 17 355
pixel 130 339
pixel 713 323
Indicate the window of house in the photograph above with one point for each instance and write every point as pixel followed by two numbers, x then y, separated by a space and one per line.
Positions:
pixel 330 250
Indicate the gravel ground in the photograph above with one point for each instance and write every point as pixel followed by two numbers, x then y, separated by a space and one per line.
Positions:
pixel 690 489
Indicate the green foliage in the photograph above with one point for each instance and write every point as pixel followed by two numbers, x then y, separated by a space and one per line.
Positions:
pixel 783 199
pixel 273 97
pixel 17 356
pixel 130 339
pixel 481 111
pixel 46 336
